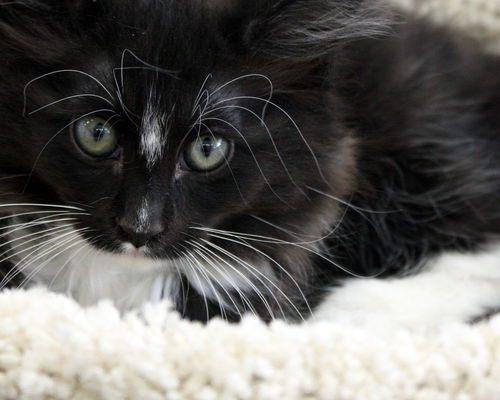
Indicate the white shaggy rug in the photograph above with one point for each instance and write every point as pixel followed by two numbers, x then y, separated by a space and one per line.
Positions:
pixel 51 348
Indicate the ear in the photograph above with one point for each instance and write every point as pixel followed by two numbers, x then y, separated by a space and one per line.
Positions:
pixel 310 29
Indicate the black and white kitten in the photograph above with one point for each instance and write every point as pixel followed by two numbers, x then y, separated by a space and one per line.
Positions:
pixel 278 157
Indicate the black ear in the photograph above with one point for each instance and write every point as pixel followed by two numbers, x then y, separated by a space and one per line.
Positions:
pixel 309 29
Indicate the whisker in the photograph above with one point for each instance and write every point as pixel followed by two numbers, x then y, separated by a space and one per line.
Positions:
pixel 350 205
pixel 16 270
pixel 239 239
pixel 273 142
pixel 297 235
pixel 68 261
pixel 70 98
pixel 54 136
pixel 41 205
pixel 252 269
pixel 35 271
pixel 271 87
pixel 172 74
pixel 289 117
pixel 65 230
pixel 252 153
pixel 38 222
pixel 34 237
pixel 194 267
pixel 184 292
pixel 208 255
pixel 222 305
pixel 241 293
pixel 120 91
pixel 5 178
pixel 24 214
pixel 59 72
pixel 198 96
pixel 230 169
pixel 265 239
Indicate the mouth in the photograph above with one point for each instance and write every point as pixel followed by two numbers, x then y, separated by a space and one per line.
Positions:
pixel 130 250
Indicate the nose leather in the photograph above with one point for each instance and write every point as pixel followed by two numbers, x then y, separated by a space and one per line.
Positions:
pixel 139 236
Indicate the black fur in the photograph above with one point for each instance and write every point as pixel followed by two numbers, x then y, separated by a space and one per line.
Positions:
pixel 398 118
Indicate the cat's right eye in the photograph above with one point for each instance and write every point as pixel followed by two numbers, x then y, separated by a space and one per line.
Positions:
pixel 95 136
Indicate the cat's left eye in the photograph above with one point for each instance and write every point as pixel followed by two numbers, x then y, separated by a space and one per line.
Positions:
pixel 95 136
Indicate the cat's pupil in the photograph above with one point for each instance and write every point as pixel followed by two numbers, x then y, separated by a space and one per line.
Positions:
pixel 99 132
pixel 207 147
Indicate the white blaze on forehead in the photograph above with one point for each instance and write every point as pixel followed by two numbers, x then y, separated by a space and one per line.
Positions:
pixel 153 133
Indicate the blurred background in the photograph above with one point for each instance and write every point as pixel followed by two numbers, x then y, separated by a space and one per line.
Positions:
pixel 479 18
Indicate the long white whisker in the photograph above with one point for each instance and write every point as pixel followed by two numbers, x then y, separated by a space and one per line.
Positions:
pixel 257 238
pixel 36 270
pixel 34 237
pixel 120 90
pixel 16 270
pixel 243 243
pixel 4 178
pixel 41 205
pixel 65 232
pixel 208 257
pixel 59 72
pixel 289 117
pixel 198 96
pixel 242 275
pixel 172 74
pixel 350 205
pixel 194 268
pixel 72 257
pixel 273 142
pixel 222 304
pixel 296 234
pixel 70 98
pixel 250 268
pixel 271 87
pixel 67 262
pixel 24 214
pixel 54 136
pixel 252 153
pixel 39 221
pixel 229 166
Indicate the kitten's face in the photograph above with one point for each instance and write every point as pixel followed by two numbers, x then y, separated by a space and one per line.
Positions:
pixel 166 122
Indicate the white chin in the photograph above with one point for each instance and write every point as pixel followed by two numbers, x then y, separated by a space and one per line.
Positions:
pixel 130 250
pixel 129 279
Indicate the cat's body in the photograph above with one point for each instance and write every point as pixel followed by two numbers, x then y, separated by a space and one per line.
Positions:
pixel 260 155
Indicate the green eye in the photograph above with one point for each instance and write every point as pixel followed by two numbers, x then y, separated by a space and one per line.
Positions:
pixel 95 136
pixel 206 153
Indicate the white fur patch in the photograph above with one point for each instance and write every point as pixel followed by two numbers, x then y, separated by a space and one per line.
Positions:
pixel 143 216
pixel 153 135
pixel 454 288
pixel 69 264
